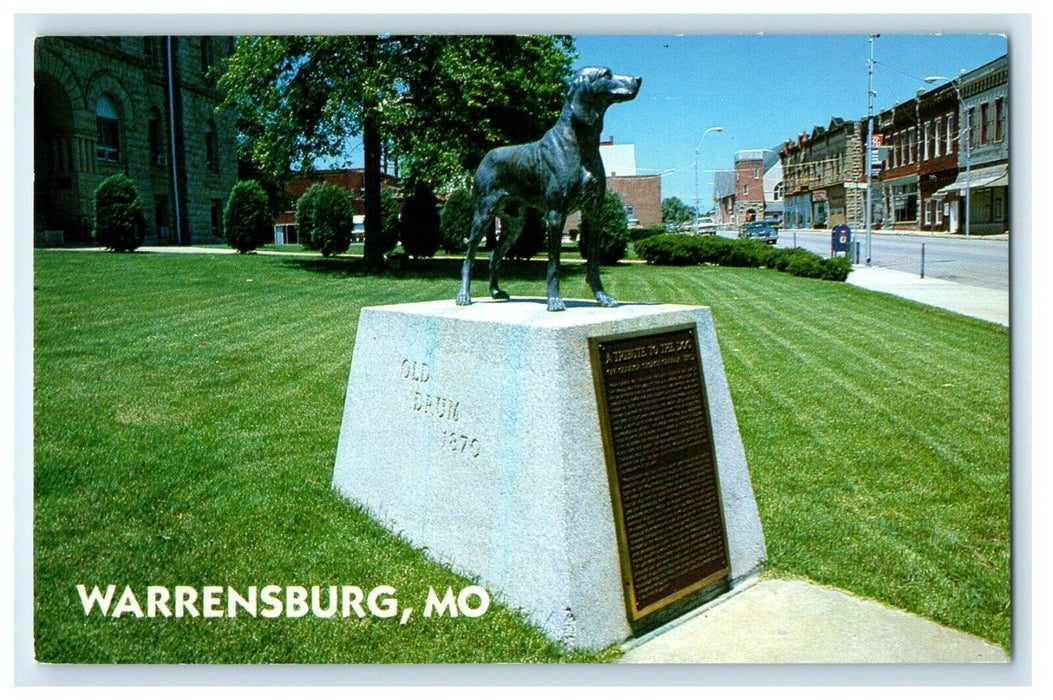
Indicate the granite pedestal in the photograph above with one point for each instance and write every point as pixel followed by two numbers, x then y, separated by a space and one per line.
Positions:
pixel 473 433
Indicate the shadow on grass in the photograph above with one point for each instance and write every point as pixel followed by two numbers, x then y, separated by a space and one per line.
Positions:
pixel 431 268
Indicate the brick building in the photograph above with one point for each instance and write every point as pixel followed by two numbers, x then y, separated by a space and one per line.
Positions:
pixel 749 185
pixel 141 106
pixel 352 181
pixel 752 191
pixel 641 194
pixel 984 93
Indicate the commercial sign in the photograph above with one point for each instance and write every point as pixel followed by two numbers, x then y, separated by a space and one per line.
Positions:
pixel 819 196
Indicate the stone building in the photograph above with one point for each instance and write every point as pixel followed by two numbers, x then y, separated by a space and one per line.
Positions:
pixel 144 106
pixel 822 172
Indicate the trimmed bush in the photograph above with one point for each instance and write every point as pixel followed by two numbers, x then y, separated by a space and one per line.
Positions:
pixel 455 223
pixel 120 224
pixel 246 219
pixel 420 224
pixel 674 249
pixel 639 234
pixel 325 219
pixel 613 231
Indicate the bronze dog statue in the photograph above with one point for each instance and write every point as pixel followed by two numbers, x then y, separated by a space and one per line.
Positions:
pixel 560 174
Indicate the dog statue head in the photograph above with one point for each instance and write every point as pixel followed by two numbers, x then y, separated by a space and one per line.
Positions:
pixel 594 89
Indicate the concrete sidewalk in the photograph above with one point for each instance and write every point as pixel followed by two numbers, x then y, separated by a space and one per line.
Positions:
pixel 985 304
pixel 779 621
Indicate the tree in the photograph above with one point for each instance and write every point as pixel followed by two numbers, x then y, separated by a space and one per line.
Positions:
pixel 120 224
pixel 440 102
pixel 325 219
pixel 246 220
pixel 420 224
pixel 613 229
pixel 675 212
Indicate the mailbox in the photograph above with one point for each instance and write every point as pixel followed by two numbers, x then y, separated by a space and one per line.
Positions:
pixel 840 240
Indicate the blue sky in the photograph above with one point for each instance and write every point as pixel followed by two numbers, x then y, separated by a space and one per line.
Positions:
pixel 763 89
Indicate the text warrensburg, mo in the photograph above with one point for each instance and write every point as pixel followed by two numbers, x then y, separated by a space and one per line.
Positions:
pixel 274 601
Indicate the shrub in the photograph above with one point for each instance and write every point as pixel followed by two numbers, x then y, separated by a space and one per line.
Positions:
pixel 531 238
pixel 420 224
pixel 455 223
pixel 246 219
pixel 746 254
pixel 639 234
pixel 120 224
pixel 325 219
pixel 673 249
pixel 836 269
pixel 613 229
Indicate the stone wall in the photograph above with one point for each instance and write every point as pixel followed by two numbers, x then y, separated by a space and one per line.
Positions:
pixel 72 75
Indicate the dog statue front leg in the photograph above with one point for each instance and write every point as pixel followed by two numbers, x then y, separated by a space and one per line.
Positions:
pixel 592 265
pixel 555 223
pixel 480 222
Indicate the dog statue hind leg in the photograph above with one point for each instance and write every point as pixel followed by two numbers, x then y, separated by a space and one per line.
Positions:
pixel 484 209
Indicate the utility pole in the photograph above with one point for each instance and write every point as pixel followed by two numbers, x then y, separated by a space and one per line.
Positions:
pixel 870 141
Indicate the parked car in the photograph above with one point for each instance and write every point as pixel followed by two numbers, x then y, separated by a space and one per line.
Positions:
pixel 706 226
pixel 760 231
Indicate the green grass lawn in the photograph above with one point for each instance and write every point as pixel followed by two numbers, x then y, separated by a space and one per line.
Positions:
pixel 187 410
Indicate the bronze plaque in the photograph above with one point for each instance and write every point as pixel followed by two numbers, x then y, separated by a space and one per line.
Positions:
pixel 661 466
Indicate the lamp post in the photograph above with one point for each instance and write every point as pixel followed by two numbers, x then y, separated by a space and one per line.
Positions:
pixel 697 152
pixel 965 133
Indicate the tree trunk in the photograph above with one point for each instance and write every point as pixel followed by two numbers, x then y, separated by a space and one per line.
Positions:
pixel 373 251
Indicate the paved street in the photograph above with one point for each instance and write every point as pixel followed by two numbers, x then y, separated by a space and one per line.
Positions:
pixel 980 261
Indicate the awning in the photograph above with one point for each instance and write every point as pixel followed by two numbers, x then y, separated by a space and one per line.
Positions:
pixel 991 176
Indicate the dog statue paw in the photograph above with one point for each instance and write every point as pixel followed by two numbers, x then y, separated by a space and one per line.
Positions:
pixel 556 304
pixel 605 300
pixel 464 300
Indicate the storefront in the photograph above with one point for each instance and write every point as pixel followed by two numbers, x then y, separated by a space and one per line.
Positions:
pixel 988 196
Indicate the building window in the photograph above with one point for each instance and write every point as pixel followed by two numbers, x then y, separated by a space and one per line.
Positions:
pixel 211 151
pixel 161 217
pixel 107 143
pixel 974 128
pixel 157 141
pixel 745 189
pixel 150 53
pixel 936 138
pixel 912 145
pixel 756 172
pixel 216 218
pixel 206 58
pixel 986 124
pixel 925 141
pixel 951 141
pixel 999 119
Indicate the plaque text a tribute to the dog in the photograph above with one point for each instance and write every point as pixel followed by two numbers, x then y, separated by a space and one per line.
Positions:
pixel 662 470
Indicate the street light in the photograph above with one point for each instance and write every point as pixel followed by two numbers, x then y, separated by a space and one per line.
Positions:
pixel 964 134
pixel 697 152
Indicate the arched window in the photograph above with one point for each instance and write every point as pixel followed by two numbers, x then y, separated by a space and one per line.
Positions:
pixel 157 139
pixel 107 144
